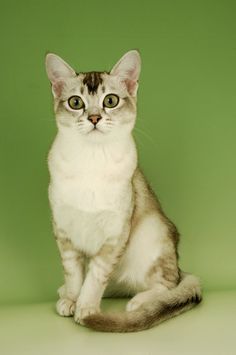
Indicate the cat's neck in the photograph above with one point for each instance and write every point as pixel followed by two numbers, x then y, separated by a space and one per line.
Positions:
pixel 71 147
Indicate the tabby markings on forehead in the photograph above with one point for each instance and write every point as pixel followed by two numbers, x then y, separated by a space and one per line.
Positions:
pixel 82 90
pixel 92 80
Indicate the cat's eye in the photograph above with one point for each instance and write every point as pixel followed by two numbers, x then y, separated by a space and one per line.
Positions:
pixel 111 101
pixel 75 102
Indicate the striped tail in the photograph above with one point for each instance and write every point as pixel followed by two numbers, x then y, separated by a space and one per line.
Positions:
pixel 169 304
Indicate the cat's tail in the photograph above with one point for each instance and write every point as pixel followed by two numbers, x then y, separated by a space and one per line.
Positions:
pixel 169 304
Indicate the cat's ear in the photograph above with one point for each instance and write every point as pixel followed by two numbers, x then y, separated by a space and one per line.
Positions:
pixel 128 69
pixel 58 70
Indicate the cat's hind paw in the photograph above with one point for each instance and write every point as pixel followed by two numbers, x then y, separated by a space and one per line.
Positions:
pixel 135 303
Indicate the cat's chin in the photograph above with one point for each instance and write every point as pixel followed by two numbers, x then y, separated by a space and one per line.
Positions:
pixel 95 132
pixel 95 135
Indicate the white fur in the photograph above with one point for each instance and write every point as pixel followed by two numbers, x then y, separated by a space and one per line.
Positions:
pixel 83 180
pixel 91 190
pixel 142 253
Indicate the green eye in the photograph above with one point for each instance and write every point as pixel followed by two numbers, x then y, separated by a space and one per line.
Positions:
pixel 75 102
pixel 111 101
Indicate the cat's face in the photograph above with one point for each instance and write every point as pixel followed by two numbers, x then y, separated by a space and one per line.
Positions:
pixel 97 106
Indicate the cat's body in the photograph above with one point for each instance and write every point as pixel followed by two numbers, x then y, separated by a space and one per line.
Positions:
pixel 113 237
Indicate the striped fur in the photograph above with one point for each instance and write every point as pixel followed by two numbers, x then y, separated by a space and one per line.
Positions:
pixel 92 80
pixel 172 303
pixel 112 234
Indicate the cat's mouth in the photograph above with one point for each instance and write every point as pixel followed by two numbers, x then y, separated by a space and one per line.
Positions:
pixel 95 130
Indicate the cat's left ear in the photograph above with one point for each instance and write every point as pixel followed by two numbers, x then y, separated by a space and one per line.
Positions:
pixel 128 69
pixel 58 71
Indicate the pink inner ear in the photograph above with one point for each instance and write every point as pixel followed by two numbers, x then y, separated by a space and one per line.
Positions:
pixel 57 88
pixel 131 86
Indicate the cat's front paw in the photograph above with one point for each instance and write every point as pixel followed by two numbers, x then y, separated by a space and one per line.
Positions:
pixel 65 307
pixel 82 312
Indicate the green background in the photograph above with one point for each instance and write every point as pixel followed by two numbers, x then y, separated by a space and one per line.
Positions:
pixel 185 129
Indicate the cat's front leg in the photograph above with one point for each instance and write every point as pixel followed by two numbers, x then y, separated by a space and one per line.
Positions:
pixel 100 268
pixel 73 265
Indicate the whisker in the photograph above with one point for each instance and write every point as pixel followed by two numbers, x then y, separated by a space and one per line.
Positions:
pixel 145 134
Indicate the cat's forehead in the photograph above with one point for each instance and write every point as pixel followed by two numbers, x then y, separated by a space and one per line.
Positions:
pixel 94 83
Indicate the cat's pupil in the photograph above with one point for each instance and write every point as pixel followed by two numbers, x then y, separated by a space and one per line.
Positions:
pixel 76 102
pixel 110 100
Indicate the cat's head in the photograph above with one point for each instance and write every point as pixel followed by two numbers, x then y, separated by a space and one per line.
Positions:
pixel 95 105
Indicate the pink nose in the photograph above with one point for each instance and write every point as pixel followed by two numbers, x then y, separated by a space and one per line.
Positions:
pixel 94 118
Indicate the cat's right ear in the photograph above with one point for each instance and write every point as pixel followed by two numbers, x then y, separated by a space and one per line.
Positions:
pixel 58 70
pixel 128 69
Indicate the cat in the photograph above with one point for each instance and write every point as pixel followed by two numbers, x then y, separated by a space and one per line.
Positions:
pixel 113 236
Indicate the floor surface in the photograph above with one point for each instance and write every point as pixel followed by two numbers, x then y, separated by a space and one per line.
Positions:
pixel 36 329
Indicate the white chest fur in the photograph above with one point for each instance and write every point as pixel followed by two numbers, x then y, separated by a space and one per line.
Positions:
pixel 90 190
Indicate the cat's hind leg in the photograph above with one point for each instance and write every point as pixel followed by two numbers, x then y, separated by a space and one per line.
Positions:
pixel 144 297
pixel 186 294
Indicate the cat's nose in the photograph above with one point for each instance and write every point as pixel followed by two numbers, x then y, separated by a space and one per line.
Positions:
pixel 94 119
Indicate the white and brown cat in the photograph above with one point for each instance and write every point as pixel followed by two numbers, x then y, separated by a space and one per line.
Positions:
pixel 113 237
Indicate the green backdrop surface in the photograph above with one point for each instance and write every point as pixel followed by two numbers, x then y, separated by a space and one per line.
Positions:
pixel 185 132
